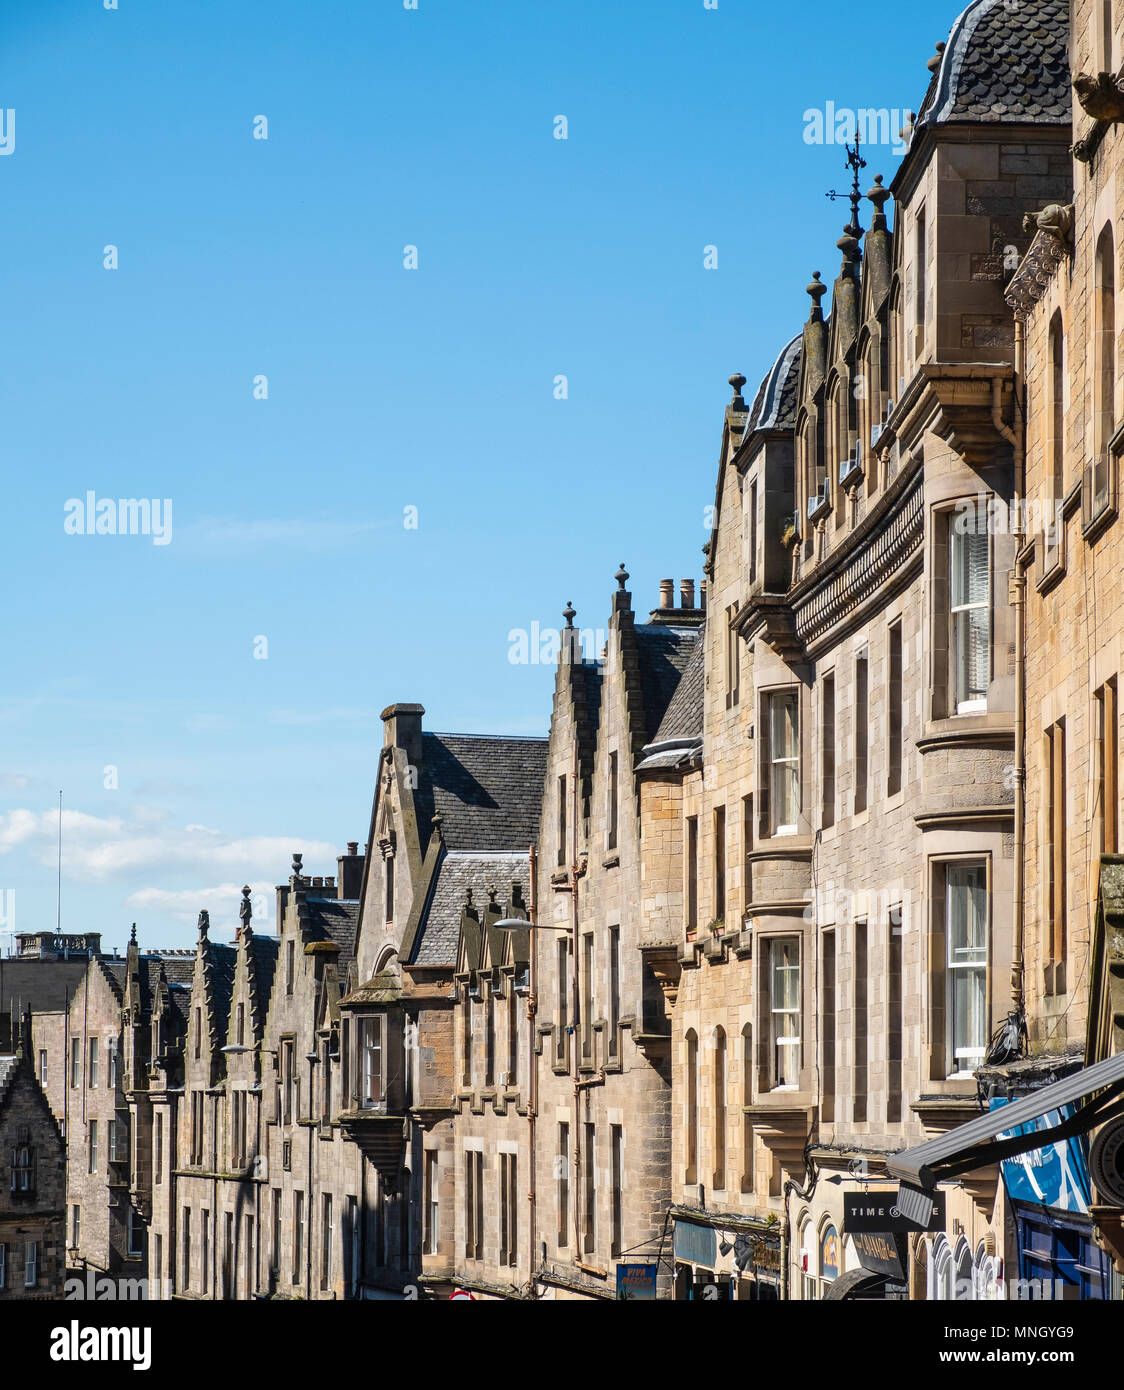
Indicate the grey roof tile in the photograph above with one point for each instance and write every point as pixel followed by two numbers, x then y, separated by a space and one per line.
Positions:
pixel 774 406
pixel 333 919
pixel 486 788
pixel 684 715
pixel 459 870
pixel 1004 62
pixel 664 654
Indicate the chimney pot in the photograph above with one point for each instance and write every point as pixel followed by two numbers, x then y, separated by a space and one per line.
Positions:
pixel 702 593
pixel 686 593
pixel 667 593
pixel 353 847
pixel 318 882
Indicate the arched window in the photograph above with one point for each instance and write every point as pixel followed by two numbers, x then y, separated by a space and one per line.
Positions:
pixel 965 1284
pixel 809 1267
pixel 829 1256
pixel 720 1108
pixel 941 1271
pixel 1104 371
pixel 747 1101
pixel 692 1107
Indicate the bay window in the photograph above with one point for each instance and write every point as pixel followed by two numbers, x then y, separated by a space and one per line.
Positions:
pixel 970 611
pixel 371 1062
pixel 782 762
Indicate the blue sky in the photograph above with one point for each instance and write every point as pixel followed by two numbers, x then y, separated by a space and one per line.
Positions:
pixel 388 388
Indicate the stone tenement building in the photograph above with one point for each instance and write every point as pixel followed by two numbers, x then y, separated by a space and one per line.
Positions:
pixel 434 1106
pixel 848 838
pixel 32 1181
pixel 1067 306
pixel 604 1074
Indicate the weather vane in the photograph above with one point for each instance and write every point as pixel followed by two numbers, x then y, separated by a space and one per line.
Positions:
pixel 855 162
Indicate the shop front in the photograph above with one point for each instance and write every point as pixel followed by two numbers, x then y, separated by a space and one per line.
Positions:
pixel 725 1258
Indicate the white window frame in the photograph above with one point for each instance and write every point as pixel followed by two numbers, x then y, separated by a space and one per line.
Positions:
pixel 960 613
pixel 780 765
pixel 974 959
pixel 785 1039
pixel 31 1264
pixel 372 1062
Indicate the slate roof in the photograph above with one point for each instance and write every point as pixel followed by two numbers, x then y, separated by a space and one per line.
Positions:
pixel 684 715
pixel 41 984
pixel 1004 62
pixel 222 961
pixel 664 654
pixel 332 919
pixel 7 1071
pixel 774 406
pixel 486 788
pixel 459 870
pixel 179 965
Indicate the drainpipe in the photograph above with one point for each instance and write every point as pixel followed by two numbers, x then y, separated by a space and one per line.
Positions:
pixel 532 1068
pixel 575 1018
pixel 1017 596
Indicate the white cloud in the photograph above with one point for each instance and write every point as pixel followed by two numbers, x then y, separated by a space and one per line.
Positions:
pixel 222 902
pixel 96 849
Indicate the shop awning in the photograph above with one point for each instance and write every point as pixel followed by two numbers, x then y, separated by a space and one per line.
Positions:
pixel 850 1285
pixel 976 1144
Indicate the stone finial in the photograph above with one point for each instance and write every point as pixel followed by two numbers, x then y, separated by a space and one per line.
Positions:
pixel 737 381
pixel 204 924
pixel 817 289
pixel 491 898
pixel 621 577
pixel 245 911
pixel 935 61
pixel 298 860
pixel 878 195
pixel 848 243
pixel 468 897
pixel 133 935
pixel 569 613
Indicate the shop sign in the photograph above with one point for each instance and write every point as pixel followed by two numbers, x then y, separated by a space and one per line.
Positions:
pixel 695 1245
pixel 879 1252
pixel 1056 1175
pixel 881 1211
pixel 636 1282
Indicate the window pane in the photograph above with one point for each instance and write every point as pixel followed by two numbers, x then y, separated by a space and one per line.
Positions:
pixel 971 636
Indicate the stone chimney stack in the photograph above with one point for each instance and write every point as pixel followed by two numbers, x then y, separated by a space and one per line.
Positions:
pixel 403 729
pixel 349 874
